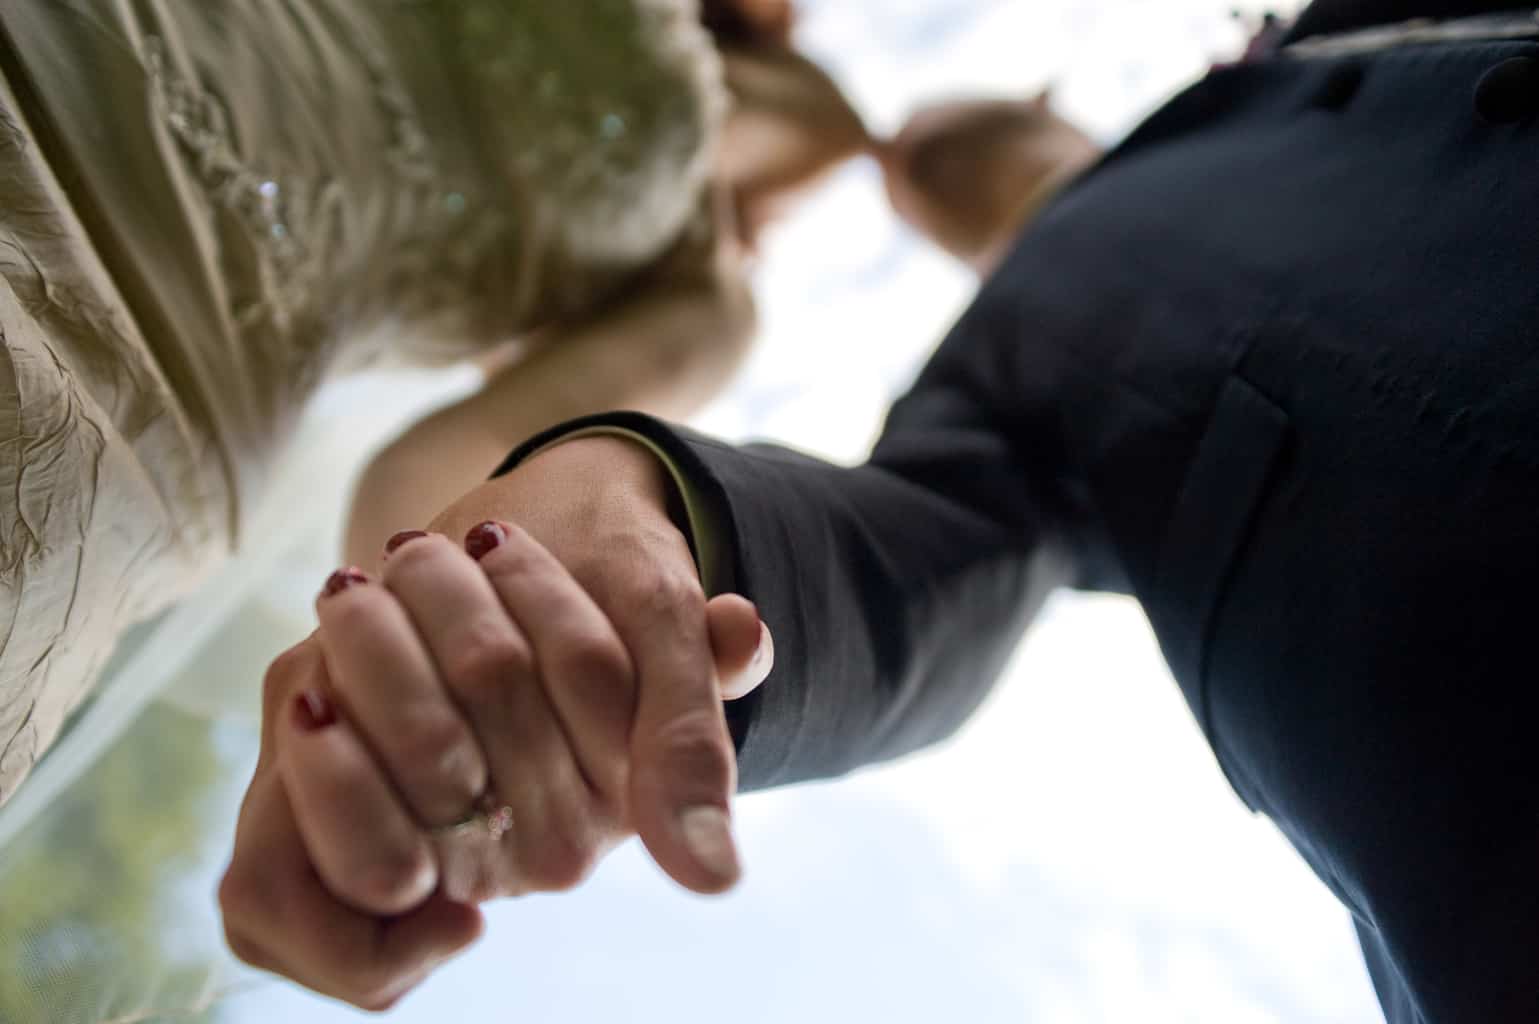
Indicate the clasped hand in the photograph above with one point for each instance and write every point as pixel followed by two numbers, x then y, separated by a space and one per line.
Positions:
pixel 486 674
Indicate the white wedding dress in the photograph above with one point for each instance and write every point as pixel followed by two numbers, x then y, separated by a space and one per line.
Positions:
pixel 209 207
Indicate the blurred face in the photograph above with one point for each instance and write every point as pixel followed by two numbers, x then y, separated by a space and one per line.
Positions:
pixel 969 174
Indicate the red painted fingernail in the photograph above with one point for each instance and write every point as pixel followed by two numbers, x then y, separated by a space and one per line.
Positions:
pixel 313 712
pixel 342 579
pixel 483 537
pixel 396 540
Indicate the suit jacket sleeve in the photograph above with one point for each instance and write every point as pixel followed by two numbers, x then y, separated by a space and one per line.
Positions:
pixel 895 589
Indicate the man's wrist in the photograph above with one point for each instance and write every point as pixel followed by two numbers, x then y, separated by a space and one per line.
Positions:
pixel 602 460
pixel 683 505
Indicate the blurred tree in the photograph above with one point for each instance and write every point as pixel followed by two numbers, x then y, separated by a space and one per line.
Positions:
pixel 89 894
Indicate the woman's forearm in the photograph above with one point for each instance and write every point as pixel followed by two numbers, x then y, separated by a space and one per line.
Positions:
pixel 412 479
pixel 667 353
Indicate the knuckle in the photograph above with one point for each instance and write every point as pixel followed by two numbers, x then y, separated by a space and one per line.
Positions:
pixel 437 745
pixel 596 660
pixel 390 881
pixel 485 663
pixel 479 879
pixel 241 907
pixel 375 990
pixel 238 899
pixel 560 862
pixel 281 673
pixel 244 949
pixel 349 612
pixel 672 595
pixel 443 763
pixel 695 747
pixel 379 1004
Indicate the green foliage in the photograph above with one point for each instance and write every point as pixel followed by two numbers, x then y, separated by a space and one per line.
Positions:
pixel 89 894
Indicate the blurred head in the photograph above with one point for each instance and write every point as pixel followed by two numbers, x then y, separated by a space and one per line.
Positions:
pixel 969 174
pixel 789 125
pixel 749 22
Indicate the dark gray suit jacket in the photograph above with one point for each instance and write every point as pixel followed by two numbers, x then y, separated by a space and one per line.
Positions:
pixel 1273 368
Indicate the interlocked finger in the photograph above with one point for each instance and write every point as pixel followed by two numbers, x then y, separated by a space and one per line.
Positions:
pixel 390 691
pixel 488 663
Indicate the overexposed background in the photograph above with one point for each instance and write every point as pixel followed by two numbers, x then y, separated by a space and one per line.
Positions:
pixel 1074 855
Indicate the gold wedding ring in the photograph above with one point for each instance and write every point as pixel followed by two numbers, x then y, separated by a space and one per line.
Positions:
pixel 485 813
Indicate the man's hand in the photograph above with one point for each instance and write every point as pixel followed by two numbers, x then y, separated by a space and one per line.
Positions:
pixel 599 505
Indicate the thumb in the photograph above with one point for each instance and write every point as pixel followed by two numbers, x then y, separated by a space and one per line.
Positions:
pixel 741 643
pixel 683 767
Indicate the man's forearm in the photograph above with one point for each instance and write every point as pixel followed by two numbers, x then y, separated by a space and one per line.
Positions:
pixel 894 590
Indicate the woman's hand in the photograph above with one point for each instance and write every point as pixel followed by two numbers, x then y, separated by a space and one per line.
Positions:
pixel 471 669
pixel 365 742
pixel 464 679
pixel 279 914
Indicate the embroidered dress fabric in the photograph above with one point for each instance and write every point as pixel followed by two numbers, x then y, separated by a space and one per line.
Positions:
pixel 209 207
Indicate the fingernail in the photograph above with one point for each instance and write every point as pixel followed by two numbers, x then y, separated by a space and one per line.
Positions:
pixel 312 711
pixel 342 579
pixel 483 537
pixel 709 837
pixel 397 539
